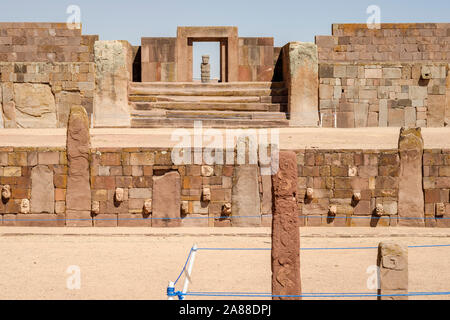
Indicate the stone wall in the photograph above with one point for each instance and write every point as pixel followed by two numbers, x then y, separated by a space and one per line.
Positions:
pixel 393 76
pixel 401 42
pixel 38 175
pixel 158 56
pixel 336 176
pixel 335 188
pixel 256 59
pixel 436 185
pixel 44 69
pixel 383 95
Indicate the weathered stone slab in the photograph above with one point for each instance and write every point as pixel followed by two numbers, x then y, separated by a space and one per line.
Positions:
pixel 266 203
pixel 34 105
pixel 245 197
pixel 393 264
pixel 42 190
pixel 410 193
pixel 301 74
pixel 78 196
pixel 113 63
pixel 285 230
pixel 167 200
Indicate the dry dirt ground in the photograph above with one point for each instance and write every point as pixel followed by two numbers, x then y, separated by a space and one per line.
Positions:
pixel 122 263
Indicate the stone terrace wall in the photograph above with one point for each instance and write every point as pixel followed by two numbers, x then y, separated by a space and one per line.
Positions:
pixel 158 59
pixel 393 76
pixel 436 184
pixel 50 63
pixel 335 175
pixel 336 178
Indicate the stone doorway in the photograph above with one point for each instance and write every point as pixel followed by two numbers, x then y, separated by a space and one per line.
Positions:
pixel 228 40
pixel 217 60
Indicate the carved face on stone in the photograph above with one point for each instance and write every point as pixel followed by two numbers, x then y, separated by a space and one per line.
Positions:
pixel 332 210
pixel 6 192
pixel 356 196
pixel 95 207
pixel 309 193
pixel 25 206
pixel 226 209
pixel 148 206
pixel 119 195
pixel 206 194
pixel 184 207
pixel 205 59
pixel 379 210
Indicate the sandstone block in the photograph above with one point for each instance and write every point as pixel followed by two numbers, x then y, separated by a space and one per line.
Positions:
pixel 42 190
pixel 245 196
pixel 393 263
pixel 167 200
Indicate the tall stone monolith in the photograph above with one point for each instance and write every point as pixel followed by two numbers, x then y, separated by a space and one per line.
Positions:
pixel 78 197
pixel 285 230
pixel 301 74
pixel 411 210
pixel 393 265
pixel 113 72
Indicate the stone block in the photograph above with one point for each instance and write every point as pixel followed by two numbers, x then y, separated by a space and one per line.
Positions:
pixel 167 200
pixel 393 263
pixel 42 190
pixel 245 196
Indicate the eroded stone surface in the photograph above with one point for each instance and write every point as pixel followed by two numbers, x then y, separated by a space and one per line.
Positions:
pixel 42 190
pixel 393 263
pixel 167 200
pixel 410 193
pixel 34 106
pixel 285 229
pixel 78 197
pixel 245 196
pixel 302 74
pixel 113 71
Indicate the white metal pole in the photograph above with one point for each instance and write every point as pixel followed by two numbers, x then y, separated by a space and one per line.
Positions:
pixel 171 286
pixel 188 273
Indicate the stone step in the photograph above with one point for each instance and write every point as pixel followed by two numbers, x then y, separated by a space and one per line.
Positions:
pixel 212 99
pixel 151 90
pixel 208 115
pixel 271 107
pixel 203 86
pixel 208 123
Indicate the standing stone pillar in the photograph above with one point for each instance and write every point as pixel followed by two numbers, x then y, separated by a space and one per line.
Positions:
pixel 411 210
pixel 113 72
pixel 78 197
pixel 285 229
pixel 301 75
pixel 205 69
pixel 166 200
pixel 393 263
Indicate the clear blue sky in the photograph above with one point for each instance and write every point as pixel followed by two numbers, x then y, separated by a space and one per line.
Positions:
pixel 289 20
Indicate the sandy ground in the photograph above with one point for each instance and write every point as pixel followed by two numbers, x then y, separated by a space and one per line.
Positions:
pixel 123 263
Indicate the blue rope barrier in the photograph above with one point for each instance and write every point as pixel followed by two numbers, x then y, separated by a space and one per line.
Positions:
pixel 337 248
pixel 184 268
pixel 318 295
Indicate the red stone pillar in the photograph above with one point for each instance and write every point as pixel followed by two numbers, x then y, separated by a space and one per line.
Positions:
pixel 285 230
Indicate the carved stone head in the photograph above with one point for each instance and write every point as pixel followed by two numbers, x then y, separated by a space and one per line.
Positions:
pixel 379 210
pixel 309 193
pixel 148 206
pixel 206 194
pixel 357 196
pixel 119 195
pixel 25 206
pixel 226 209
pixel 332 210
pixel 95 207
pixel 6 192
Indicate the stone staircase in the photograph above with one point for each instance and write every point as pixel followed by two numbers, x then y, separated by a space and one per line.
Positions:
pixel 220 105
